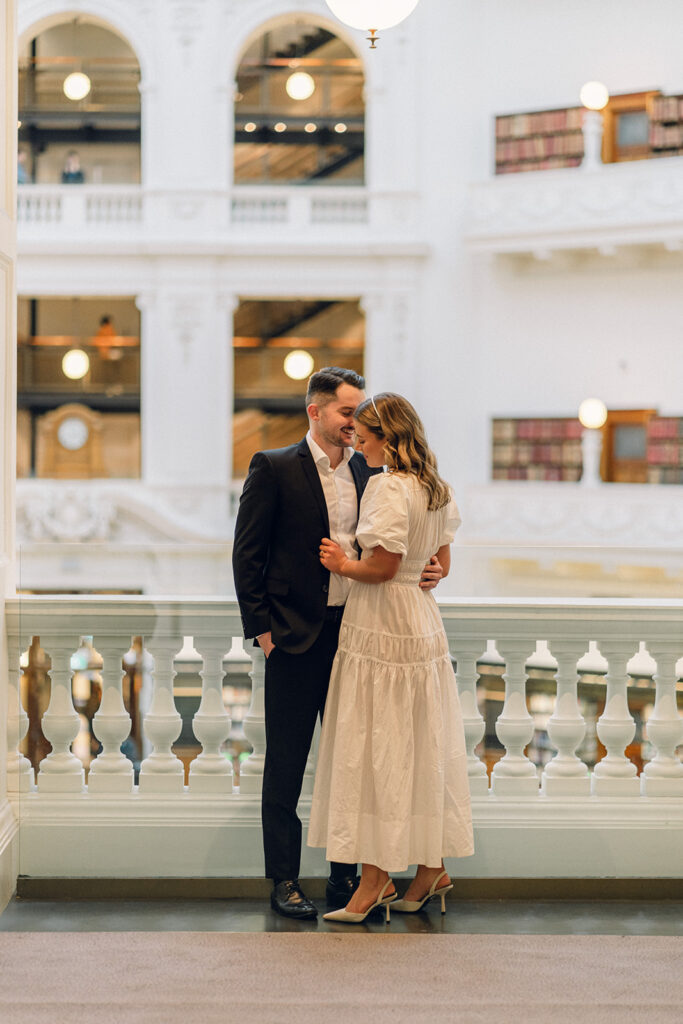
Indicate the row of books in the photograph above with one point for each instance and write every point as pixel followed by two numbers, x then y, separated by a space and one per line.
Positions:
pixel 665 427
pixel 535 472
pixel 665 453
pixel 540 146
pixel 667 108
pixel 664 475
pixel 567 453
pixel 536 429
pixel 515 126
pixel 663 136
pixel 552 163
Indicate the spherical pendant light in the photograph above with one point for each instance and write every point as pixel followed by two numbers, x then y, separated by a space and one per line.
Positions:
pixel 298 364
pixel 371 15
pixel 300 85
pixel 76 86
pixel 75 364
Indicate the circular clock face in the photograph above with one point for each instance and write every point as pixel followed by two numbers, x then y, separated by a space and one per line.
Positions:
pixel 72 433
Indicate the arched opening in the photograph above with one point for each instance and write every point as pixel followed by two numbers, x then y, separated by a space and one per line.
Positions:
pixel 79 106
pixel 299 109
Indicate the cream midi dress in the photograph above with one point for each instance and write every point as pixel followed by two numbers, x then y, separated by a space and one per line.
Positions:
pixel 391 784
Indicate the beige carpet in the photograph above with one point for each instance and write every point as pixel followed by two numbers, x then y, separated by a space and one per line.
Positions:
pixel 359 978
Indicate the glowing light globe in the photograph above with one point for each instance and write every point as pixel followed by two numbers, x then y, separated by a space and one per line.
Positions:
pixel 371 14
pixel 594 95
pixel 298 364
pixel 75 364
pixel 76 86
pixel 592 413
pixel 300 86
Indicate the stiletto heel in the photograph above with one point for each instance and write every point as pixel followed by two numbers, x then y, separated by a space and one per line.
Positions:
pixel 348 917
pixel 412 906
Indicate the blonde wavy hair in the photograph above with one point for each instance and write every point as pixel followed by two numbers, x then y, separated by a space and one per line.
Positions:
pixel 392 418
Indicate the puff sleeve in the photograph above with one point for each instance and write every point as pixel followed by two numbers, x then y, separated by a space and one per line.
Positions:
pixel 383 519
pixel 451 522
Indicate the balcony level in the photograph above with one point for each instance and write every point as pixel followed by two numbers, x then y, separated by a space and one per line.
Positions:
pixel 134 218
pixel 590 805
pixel 544 212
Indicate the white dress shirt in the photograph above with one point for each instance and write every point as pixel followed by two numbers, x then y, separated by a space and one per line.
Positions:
pixel 341 499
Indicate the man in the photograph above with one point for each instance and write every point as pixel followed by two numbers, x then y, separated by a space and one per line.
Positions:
pixel 292 498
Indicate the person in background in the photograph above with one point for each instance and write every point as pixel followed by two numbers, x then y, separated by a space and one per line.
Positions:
pixel 72 173
pixel 23 175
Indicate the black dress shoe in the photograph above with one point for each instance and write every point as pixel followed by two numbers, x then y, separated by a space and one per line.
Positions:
pixel 288 899
pixel 339 891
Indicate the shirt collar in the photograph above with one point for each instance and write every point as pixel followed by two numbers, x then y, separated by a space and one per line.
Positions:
pixel 320 457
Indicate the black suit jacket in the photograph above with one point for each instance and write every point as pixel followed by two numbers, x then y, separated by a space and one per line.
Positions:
pixel 281 585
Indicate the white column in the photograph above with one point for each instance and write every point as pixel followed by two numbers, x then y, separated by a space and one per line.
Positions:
pixel 663 775
pixel 111 771
pixel 615 775
pixel 19 768
pixel 211 771
pixel 251 769
pixel 467 675
pixel 162 771
pixel 61 771
pixel 515 774
pixel 566 774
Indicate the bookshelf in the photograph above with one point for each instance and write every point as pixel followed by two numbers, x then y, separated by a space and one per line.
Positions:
pixel 537 449
pixel 665 450
pixel 539 141
pixel 666 126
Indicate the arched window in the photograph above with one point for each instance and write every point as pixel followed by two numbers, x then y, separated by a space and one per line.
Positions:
pixel 79 106
pixel 299 109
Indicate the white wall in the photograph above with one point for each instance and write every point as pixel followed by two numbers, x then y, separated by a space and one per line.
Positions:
pixel 515 337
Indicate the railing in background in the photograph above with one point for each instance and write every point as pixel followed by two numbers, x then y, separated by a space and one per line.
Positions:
pixel 567 640
pixel 46 211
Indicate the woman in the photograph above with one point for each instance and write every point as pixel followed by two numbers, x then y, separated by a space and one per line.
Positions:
pixel 391 786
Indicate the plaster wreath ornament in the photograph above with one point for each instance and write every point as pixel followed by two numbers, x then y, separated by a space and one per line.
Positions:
pixel 69 515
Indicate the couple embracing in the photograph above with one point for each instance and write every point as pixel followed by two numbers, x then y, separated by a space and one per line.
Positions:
pixel 335 557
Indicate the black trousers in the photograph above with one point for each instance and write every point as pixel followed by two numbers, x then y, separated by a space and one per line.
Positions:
pixel 295 691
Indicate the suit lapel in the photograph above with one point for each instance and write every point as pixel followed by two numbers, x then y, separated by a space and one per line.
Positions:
pixel 313 479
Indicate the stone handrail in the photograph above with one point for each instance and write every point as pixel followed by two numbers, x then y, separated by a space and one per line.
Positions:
pixel 212 827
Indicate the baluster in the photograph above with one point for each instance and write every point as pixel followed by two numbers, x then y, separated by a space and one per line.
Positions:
pixel 663 775
pixel 566 774
pixel 472 720
pixel 162 771
pixel 111 771
pixel 211 771
pixel 515 774
pixel 251 769
pixel 615 775
pixel 19 768
pixel 61 771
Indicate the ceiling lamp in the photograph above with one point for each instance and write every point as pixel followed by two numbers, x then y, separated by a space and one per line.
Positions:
pixel 300 86
pixel 371 15
pixel 75 364
pixel 76 86
pixel 298 364
pixel 592 413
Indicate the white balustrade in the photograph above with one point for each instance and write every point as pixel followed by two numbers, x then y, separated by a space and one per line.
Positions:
pixel 19 768
pixel 111 771
pixel 61 771
pixel 566 774
pixel 473 722
pixel 515 774
pixel 162 771
pixel 663 775
pixel 216 829
pixel 211 772
pixel 251 769
pixel 615 774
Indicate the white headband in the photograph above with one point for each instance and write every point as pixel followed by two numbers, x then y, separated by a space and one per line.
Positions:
pixel 372 399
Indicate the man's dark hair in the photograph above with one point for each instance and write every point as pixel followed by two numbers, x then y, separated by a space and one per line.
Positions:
pixel 326 381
